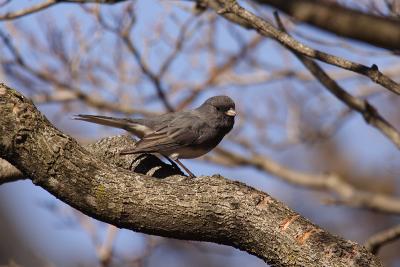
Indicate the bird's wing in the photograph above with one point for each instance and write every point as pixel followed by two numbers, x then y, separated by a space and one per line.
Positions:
pixel 134 126
pixel 180 132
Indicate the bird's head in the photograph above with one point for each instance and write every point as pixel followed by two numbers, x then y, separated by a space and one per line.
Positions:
pixel 222 104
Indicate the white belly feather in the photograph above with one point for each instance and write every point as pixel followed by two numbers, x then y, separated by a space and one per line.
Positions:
pixel 188 153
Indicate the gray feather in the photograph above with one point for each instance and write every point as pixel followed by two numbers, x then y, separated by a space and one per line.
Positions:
pixel 135 127
pixel 184 134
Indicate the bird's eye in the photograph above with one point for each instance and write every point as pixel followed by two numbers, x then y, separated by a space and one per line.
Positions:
pixel 218 108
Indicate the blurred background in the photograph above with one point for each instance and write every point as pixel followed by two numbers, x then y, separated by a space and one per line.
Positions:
pixel 138 58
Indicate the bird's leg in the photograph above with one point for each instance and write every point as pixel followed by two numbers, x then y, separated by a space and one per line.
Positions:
pixel 180 164
pixel 172 162
pixel 186 169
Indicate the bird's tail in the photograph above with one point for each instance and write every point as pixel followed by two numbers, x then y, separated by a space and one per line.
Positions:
pixel 132 126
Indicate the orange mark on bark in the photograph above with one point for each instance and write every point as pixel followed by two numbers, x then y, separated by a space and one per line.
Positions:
pixel 303 238
pixel 285 224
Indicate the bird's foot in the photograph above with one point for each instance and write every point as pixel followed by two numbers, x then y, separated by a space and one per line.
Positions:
pixel 186 169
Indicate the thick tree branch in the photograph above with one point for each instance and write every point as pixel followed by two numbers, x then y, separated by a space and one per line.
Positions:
pixel 210 209
pixel 343 21
pixel 106 150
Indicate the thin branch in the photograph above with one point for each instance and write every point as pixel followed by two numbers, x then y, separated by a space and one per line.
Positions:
pixel 369 112
pixel 149 73
pixel 124 34
pixel 219 70
pixel 346 193
pixel 28 10
pixel 64 91
pixel 235 13
pixel 317 13
pixel 105 250
pixel 46 4
pixel 378 240
pixel 181 39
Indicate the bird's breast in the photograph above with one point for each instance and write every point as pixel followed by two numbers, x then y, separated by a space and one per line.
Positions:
pixel 190 152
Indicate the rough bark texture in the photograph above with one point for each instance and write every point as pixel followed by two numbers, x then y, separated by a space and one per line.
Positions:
pixel 210 209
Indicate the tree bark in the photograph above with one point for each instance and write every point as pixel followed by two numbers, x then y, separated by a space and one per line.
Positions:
pixel 208 208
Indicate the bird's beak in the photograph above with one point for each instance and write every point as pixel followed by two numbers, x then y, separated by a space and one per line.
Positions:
pixel 231 112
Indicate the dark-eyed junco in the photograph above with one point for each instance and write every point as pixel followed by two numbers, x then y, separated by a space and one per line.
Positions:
pixel 178 135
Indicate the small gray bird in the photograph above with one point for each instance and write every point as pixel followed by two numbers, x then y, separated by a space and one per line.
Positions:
pixel 178 135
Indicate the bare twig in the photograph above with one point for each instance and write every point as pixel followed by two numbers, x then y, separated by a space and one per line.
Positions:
pixel 46 4
pixel 28 10
pixel 152 242
pixel 234 12
pixel 105 250
pixel 347 193
pixel 66 92
pixel 375 242
pixel 369 113
pixel 124 34
pixel 178 47
pixel 216 72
